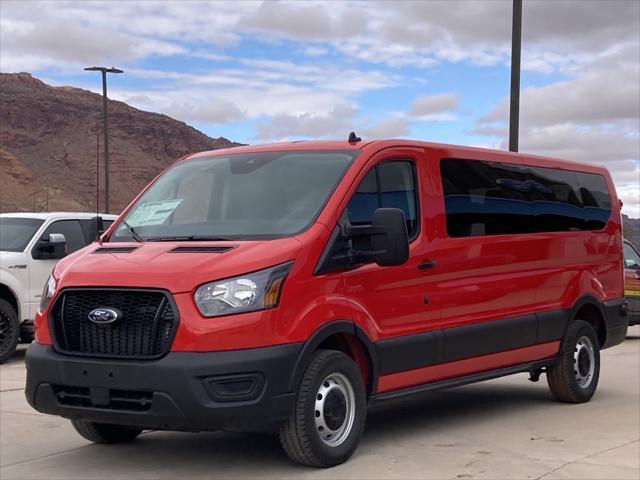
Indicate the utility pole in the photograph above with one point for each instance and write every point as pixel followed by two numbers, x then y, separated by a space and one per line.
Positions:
pixel 516 46
pixel 105 127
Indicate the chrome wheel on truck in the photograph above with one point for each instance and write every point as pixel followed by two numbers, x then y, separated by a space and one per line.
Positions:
pixel 329 414
pixel 574 378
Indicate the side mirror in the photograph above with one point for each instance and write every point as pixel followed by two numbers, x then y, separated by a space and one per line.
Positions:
pixel 391 246
pixel 388 236
pixel 52 248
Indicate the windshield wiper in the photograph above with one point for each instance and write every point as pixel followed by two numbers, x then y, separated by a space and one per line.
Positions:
pixel 188 238
pixel 133 232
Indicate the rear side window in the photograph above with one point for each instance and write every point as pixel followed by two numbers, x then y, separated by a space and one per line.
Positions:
pixel 388 185
pixel 492 198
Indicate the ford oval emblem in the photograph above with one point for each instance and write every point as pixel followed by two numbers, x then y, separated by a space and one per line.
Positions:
pixel 104 316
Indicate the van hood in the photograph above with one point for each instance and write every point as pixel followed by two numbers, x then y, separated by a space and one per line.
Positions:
pixel 167 265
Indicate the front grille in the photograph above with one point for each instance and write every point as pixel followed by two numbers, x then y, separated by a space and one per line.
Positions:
pixel 145 330
pixel 130 400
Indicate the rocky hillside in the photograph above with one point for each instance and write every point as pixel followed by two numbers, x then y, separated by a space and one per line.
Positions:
pixel 48 146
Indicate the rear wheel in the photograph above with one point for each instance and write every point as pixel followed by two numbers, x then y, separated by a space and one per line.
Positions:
pixel 574 378
pixel 329 415
pixel 9 330
pixel 104 432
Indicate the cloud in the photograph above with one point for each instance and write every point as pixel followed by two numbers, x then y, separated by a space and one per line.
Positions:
pixel 391 128
pixel 607 91
pixel 257 88
pixel 314 51
pixel 336 123
pixel 219 111
pixel 68 43
pixel 393 33
pixel 434 104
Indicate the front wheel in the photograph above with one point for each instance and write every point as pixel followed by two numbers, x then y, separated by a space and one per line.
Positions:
pixel 574 378
pixel 104 432
pixel 329 414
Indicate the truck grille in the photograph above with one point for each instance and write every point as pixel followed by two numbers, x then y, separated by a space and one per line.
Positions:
pixel 145 330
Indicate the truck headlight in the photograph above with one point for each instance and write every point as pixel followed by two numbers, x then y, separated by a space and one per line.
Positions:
pixel 245 293
pixel 47 293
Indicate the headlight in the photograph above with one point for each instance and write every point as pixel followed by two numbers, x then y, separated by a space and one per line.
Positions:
pixel 47 293
pixel 246 293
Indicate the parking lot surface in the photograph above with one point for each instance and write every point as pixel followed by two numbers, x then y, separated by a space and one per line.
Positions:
pixel 505 428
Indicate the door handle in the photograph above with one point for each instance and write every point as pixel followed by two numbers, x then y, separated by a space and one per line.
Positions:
pixel 427 264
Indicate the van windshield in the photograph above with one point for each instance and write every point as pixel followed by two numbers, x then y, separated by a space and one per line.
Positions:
pixel 15 232
pixel 242 196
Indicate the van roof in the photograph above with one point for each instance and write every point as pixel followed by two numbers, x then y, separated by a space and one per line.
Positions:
pixel 57 215
pixel 370 146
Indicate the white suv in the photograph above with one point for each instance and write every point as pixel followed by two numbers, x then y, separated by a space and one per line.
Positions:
pixel 30 245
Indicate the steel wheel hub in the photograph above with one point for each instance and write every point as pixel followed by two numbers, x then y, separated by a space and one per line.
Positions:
pixel 584 362
pixel 334 413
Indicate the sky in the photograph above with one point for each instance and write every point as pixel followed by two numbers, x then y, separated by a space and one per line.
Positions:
pixel 257 72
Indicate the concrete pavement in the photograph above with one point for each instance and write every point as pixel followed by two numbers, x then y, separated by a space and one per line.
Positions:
pixel 504 428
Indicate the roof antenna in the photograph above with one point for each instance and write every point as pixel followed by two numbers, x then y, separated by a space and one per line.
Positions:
pixel 353 138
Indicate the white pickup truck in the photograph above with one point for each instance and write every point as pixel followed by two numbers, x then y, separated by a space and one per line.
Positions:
pixel 30 245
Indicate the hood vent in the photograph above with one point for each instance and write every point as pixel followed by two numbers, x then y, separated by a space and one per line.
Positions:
pixel 115 249
pixel 201 249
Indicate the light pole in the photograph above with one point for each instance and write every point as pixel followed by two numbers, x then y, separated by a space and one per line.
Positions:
pixel 516 44
pixel 104 71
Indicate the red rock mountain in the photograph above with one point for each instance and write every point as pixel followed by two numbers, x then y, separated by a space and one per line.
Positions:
pixel 48 146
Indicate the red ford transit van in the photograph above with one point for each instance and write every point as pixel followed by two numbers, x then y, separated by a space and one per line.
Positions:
pixel 285 287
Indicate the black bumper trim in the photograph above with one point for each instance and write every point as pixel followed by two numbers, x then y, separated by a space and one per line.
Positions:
pixel 616 321
pixel 178 385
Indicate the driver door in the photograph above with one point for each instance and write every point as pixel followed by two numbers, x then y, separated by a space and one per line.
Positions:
pixel 398 298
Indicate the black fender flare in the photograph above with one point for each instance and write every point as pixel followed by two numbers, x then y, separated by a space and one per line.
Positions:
pixel 602 310
pixel 320 335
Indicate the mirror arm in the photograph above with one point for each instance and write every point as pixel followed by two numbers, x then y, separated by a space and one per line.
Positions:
pixel 361 256
pixel 351 231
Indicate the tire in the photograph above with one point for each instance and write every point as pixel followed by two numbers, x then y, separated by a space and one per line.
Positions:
pixel 9 330
pixel 574 378
pixel 105 433
pixel 329 413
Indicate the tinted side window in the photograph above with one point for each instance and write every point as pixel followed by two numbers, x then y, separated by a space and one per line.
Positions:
pixel 72 233
pixel 388 185
pixel 557 205
pixel 595 199
pixel 490 198
pixel 485 198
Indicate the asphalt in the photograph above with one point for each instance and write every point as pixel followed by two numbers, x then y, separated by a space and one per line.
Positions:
pixel 505 428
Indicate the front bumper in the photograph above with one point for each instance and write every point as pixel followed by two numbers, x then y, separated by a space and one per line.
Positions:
pixel 245 390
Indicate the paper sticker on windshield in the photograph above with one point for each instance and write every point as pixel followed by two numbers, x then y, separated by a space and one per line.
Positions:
pixel 153 213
